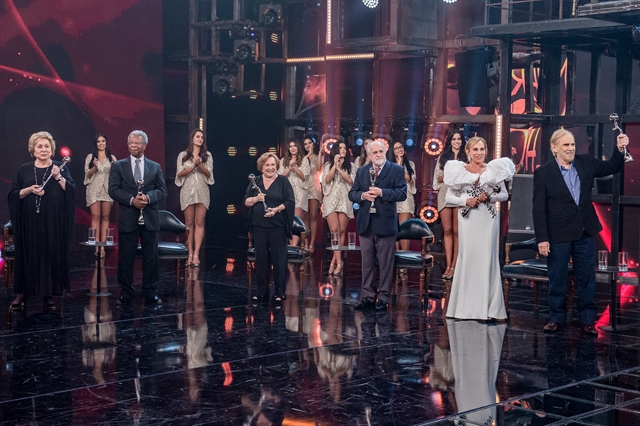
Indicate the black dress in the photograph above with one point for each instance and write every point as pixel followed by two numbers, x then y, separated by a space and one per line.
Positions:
pixel 270 234
pixel 42 240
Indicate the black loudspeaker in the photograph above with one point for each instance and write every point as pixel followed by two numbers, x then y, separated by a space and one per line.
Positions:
pixel 477 77
pixel 520 210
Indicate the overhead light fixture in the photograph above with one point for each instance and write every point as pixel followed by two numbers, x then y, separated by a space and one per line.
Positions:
pixel 351 57
pixel 223 81
pixel 245 51
pixel 270 15
pixel 409 137
pixel 370 3
pixel 450 1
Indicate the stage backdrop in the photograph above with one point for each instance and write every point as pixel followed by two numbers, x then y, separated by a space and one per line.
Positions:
pixel 75 68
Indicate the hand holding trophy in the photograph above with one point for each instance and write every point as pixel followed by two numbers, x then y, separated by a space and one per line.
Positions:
pixel 614 117
pixel 140 184
pixel 372 178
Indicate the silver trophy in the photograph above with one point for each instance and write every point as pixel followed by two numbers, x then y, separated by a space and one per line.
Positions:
pixel 252 178
pixel 372 178
pixel 614 117
pixel 65 160
pixel 140 184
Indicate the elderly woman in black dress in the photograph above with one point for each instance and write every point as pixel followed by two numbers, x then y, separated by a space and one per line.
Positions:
pixel 42 219
pixel 271 227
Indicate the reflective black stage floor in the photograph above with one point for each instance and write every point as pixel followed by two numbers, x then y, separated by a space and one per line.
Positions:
pixel 207 356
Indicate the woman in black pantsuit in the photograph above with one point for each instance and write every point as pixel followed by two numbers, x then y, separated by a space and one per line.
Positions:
pixel 271 228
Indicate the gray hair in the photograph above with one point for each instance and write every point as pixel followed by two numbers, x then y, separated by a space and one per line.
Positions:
pixel 140 133
pixel 378 142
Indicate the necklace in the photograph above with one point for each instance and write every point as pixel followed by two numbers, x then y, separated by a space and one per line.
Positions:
pixel 35 175
pixel 266 178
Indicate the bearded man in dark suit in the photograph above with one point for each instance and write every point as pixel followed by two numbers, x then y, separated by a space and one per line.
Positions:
pixel 565 224
pixel 123 188
pixel 377 229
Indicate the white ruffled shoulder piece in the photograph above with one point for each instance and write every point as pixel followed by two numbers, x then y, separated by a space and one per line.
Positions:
pixel 498 170
pixel 457 176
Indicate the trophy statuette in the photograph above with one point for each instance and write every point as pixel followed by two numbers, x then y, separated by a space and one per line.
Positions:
pixel 614 118
pixel 140 184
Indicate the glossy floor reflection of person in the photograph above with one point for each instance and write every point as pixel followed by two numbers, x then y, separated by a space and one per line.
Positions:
pixel 208 356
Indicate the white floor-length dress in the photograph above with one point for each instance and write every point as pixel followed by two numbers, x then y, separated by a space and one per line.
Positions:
pixel 476 290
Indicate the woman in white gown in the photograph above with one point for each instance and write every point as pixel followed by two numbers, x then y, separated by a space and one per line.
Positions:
pixel 476 291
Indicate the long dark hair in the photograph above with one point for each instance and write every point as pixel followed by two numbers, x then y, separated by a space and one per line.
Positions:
pixel 447 153
pixel 95 149
pixel 299 156
pixel 203 149
pixel 316 148
pixel 405 161
pixel 335 150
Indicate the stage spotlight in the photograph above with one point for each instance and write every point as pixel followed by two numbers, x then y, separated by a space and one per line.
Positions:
pixel 370 3
pixel 409 139
pixel 223 84
pixel 328 140
pixel 270 15
pixel 450 1
pixel 358 137
pixel 433 146
pixel 429 214
pixel 245 51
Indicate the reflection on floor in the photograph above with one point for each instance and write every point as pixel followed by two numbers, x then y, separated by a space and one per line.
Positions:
pixel 208 356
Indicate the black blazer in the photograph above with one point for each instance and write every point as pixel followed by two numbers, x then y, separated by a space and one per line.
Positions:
pixel 556 217
pixel 394 189
pixel 122 188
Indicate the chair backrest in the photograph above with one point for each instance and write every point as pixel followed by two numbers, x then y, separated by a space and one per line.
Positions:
pixel 413 229
pixel 299 227
pixel 521 207
pixel 170 223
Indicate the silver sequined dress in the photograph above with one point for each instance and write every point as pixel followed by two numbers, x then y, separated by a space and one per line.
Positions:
pixel 194 187
pixel 98 184
pixel 299 185
pixel 336 193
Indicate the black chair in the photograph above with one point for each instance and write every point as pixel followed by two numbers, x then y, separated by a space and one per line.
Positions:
pixel 295 254
pixel 171 250
pixel 8 253
pixel 534 270
pixel 414 229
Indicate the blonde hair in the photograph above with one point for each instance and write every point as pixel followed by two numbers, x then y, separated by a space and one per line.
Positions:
pixel 41 135
pixel 559 134
pixel 474 140
pixel 264 157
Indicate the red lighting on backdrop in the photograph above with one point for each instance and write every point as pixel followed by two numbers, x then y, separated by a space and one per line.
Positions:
pixel 65 151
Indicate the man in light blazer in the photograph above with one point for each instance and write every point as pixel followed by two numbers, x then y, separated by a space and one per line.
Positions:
pixel 123 188
pixel 565 224
pixel 377 230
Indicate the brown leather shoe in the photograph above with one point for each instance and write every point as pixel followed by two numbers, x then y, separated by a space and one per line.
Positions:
pixel 589 329
pixel 551 327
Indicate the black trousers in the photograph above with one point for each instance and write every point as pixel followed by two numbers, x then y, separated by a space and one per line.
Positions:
pixel 128 245
pixel 271 249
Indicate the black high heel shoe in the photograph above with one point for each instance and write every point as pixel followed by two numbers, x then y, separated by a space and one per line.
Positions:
pixel 49 305
pixel 14 307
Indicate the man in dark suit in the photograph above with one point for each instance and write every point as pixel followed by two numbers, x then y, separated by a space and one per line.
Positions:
pixel 377 229
pixel 565 223
pixel 123 188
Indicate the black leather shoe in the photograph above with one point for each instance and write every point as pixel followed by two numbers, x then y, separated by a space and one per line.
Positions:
pixel 589 329
pixel 381 305
pixel 154 300
pixel 123 301
pixel 552 327
pixel 365 304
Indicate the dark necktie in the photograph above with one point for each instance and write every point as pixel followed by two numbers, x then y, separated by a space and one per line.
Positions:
pixel 136 171
pixel 377 171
